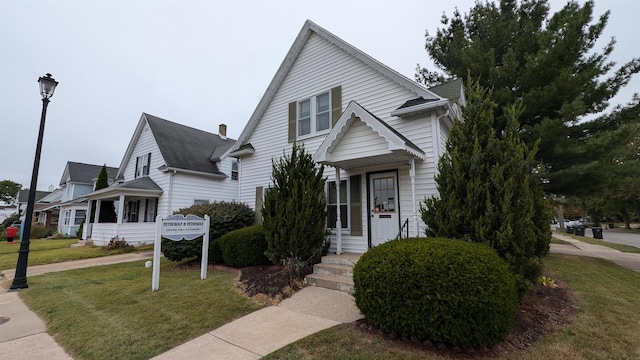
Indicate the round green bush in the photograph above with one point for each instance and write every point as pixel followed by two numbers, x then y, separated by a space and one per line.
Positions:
pixel 224 217
pixel 244 247
pixel 449 291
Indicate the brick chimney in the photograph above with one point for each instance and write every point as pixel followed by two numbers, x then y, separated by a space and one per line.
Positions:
pixel 222 131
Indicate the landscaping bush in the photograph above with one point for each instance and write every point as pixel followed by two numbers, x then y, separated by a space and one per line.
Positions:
pixel 449 291
pixel 225 217
pixel 41 231
pixel 14 218
pixel 244 247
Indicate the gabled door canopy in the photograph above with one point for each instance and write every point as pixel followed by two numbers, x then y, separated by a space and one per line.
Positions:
pixel 398 148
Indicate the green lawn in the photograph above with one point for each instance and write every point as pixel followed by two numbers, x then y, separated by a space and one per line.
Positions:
pixel 604 327
pixel 49 251
pixel 110 312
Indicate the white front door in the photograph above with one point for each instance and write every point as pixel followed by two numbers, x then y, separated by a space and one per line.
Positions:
pixel 383 195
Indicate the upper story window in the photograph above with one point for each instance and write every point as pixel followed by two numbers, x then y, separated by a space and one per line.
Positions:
pixel 234 170
pixel 142 165
pixel 314 114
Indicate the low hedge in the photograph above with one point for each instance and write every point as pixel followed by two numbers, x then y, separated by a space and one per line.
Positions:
pixel 449 291
pixel 224 217
pixel 244 247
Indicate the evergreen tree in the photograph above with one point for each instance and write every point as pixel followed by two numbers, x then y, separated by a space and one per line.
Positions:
pixel 107 209
pixel 547 63
pixel 490 191
pixel 294 209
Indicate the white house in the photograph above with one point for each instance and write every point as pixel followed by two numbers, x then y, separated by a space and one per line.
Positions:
pixel 379 133
pixel 78 179
pixel 167 166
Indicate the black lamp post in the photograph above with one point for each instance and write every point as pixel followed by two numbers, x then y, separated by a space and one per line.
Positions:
pixel 47 87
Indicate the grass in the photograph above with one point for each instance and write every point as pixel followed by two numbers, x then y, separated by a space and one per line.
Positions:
pixel 605 326
pixel 110 312
pixel 49 251
pixel 558 241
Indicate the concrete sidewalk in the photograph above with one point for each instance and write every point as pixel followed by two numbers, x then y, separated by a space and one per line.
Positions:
pixel 627 260
pixel 23 335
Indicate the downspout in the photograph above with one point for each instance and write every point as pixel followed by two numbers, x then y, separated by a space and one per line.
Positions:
pixel 239 180
pixel 438 130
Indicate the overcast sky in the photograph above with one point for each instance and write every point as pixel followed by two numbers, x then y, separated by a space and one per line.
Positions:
pixel 198 63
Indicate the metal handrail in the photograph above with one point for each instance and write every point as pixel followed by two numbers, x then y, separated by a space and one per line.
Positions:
pixel 405 227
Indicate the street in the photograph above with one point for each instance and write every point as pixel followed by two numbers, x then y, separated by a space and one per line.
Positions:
pixel 619 237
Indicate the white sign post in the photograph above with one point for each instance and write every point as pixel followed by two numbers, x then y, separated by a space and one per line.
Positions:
pixel 178 227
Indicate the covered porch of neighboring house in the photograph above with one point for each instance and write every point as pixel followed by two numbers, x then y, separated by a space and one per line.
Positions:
pixel 136 206
pixel 47 213
pixel 374 182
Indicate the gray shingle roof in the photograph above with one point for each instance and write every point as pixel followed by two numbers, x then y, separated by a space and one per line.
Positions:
pixel 184 147
pixel 448 90
pixel 87 173
pixel 141 183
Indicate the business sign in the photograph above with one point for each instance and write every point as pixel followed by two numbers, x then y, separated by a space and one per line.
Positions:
pixel 178 227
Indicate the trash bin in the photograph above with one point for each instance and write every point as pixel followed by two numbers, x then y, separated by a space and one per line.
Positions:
pixel 12 231
pixel 611 225
pixel 570 229
pixel 597 232
pixel 579 230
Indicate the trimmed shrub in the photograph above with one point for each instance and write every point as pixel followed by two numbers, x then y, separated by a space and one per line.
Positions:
pixel 225 217
pixel 244 247
pixel 449 291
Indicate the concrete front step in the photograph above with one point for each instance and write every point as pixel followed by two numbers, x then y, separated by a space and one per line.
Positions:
pixel 331 282
pixel 349 259
pixel 341 271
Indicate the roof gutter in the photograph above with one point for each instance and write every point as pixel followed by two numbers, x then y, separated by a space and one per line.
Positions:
pixel 413 110
pixel 193 172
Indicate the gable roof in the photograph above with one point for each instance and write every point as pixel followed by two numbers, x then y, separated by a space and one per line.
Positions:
pixel 182 147
pixel 85 173
pixel 142 185
pixel 307 29
pixel 23 195
pixel 397 144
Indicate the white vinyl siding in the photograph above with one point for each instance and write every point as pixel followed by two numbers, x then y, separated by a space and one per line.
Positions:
pixel 321 66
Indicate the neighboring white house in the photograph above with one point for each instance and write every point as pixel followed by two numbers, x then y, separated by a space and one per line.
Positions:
pixel 380 134
pixel 166 167
pixel 77 180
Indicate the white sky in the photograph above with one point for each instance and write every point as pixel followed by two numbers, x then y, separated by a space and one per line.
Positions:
pixel 198 63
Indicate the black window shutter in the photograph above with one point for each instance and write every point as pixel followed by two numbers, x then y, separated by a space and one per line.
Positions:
pixel 258 208
pixel 355 197
pixel 293 119
pixel 336 104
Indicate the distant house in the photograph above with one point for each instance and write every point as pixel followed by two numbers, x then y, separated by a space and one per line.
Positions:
pixel 380 134
pixel 167 166
pixel 23 197
pixel 46 211
pixel 77 180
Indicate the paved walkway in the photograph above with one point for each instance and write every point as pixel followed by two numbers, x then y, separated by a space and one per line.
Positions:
pixel 576 247
pixel 308 311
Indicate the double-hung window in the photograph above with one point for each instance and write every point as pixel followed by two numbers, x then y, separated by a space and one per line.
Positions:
pixel 314 114
pixel 234 170
pixel 332 204
pixel 79 217
pixel 150 209
pixel 143 163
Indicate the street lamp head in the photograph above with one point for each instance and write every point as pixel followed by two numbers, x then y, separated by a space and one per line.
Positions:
pixel 47 86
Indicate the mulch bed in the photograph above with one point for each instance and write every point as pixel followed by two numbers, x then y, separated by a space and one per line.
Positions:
pixel 541 312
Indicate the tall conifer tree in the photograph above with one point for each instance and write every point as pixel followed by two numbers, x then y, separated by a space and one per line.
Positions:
pixel 294 208
pixel 107 210
pixel 489 191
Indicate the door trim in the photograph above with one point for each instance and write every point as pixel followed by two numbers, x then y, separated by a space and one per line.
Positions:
pixel 369 174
